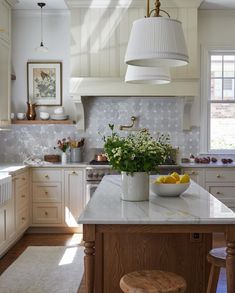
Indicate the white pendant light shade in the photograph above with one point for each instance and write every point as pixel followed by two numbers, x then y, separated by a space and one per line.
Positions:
pixel 156 42
pixel 147 75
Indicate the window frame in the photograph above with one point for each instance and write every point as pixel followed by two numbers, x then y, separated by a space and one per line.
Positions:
pixel 206 52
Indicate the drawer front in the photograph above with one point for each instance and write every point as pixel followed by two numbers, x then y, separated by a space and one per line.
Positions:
pixel 47 214
pixel 22 219
pixel 22 197
pixel 219 175
pixel 46 175
pixel 47 192
pixel 223 191
pixel 21 180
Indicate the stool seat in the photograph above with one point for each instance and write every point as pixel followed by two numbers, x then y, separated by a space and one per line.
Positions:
pixel 217 258
pixel 153 281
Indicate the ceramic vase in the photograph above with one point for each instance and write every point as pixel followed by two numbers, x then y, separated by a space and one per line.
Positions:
pixel 76 155
pixel 135 186
pixel 63 158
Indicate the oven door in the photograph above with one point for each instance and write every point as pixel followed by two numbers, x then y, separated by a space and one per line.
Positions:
pixel 90 189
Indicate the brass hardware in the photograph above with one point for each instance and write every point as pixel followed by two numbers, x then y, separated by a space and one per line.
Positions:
pixel 74 173
pixel 2 30
pixel 133 119
pixel 46 213
pixel 194 173
pixel 23 178
pixel 23 195
pixel 218 176
pixel 47 176
pixel 46 192
pixel 23 219
pixel 156 10
pixel 218 192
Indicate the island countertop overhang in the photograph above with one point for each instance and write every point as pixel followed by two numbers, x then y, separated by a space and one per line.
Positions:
pixel 195 206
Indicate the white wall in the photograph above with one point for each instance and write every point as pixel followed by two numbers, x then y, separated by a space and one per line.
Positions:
pixel 26 37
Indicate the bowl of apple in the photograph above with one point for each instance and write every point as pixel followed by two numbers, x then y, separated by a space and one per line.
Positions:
pixel 172 185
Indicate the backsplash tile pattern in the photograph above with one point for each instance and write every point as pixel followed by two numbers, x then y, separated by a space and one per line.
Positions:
pixel 158 115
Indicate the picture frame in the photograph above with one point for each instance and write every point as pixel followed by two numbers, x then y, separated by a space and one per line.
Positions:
pixel 44 83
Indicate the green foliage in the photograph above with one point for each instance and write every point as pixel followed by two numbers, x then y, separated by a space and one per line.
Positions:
pixel 137 152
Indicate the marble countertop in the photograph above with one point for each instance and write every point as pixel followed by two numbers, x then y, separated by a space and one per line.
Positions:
pixel 211 165
pixel 11 168
pixel 194 206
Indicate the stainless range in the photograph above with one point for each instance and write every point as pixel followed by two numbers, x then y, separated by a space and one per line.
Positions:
pixel 94 174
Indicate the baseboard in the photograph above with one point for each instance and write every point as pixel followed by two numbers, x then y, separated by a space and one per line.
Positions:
pixel 55 230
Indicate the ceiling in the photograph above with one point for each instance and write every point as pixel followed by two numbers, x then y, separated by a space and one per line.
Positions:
pixel 60 4
pixel 32 4
pixel 218 4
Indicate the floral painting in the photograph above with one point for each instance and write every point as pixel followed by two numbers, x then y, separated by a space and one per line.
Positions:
pixel 44 83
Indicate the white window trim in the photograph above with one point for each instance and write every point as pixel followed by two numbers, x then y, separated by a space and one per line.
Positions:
pixel 205 92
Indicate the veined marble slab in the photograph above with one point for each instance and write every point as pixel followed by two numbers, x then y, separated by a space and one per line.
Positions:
pixel 194 206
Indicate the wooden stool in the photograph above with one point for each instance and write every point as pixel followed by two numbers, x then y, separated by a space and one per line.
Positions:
pixel 152 282
pixel 217 258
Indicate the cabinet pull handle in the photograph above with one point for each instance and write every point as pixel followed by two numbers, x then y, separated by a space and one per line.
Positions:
pixel 218 192
pixel 218 176
pixel 46 213
pixel 194 173
pixel 23 219
pixel 23 195
pixel 23 178
pixel 47 176
pixel 46 192
pixel 74 173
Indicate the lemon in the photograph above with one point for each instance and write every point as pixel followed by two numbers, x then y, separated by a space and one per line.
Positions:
pixel 160 179
pixel 176 176
pixel 170 179
pixel 185 178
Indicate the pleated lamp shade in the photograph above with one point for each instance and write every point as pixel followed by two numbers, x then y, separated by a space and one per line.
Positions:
pixel 157 42
pixel 147 75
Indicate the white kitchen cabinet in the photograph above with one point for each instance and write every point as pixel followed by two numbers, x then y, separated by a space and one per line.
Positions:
pixel 74 195
pixel 2 228
pixel 196 174
pixel 47 197
pixel 220 182
pixel 5 20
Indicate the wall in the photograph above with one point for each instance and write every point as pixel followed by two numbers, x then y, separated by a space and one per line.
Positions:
pixel 26 37
pixel 158 115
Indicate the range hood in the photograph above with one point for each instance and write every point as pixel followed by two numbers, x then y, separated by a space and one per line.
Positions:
pixel 85 87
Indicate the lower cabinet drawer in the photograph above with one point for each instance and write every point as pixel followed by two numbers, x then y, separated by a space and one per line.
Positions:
pixel 47 192
pixel 22 219
pixel 223 191
pixel 47 213
pixel 22 197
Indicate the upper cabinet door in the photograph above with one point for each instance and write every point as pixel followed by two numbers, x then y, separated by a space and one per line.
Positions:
pixel 4 83
pixel 5 20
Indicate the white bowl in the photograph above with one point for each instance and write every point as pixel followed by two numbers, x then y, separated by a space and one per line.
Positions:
pixel 20 116
pixel 44 115
pixel 59 110
pixel 162 189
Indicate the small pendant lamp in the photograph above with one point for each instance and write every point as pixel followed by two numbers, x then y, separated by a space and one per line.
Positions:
pixel 147 75
pixel 41 48
pixel 156 41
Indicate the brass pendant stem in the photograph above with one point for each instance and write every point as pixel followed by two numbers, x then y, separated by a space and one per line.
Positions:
pixel 147 8
pixel 157 8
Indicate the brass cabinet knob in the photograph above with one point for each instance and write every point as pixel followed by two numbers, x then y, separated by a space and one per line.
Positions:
pixel 47 176
pixel 218 176
pixel 194 173
pixel 23 219
pixel 74 173
pixel 23 195
pixel 218 192
pixel 46 192
pixel 46 213
pixel 23 178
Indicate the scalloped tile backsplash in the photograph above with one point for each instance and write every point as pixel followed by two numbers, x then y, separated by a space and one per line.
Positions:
pixel 156 114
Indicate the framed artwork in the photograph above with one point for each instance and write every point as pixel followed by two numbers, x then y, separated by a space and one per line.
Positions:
pixel 44 83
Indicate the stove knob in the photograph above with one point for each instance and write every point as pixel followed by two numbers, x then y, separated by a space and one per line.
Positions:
pixel 96 175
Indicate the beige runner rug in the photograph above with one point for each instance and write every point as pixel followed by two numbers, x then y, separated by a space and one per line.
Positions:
pixel 45 269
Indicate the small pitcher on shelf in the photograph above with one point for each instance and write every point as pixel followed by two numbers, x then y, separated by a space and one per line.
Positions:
pixel 31 111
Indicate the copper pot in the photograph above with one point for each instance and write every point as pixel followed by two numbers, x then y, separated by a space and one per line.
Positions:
pixel 101 158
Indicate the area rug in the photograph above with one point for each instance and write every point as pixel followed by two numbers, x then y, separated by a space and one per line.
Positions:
pixel 45 269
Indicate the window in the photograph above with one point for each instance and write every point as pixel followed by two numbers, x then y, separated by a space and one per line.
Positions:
pixel 221 102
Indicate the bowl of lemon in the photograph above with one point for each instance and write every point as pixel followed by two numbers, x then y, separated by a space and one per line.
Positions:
pixel 170 185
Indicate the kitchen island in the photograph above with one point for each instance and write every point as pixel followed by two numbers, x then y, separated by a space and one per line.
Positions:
pixel 172 234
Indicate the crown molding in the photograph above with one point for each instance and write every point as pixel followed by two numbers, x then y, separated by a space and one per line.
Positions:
pixel 12 2
pixel 73 4
pixel 30 12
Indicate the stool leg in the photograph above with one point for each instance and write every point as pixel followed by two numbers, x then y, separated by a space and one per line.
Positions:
pixel 213 279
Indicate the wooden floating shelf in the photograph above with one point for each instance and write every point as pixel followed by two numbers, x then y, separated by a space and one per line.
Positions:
pixel 42 122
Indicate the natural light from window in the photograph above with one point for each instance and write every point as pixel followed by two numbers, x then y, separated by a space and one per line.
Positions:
pixel 68 256
pixel 221 106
